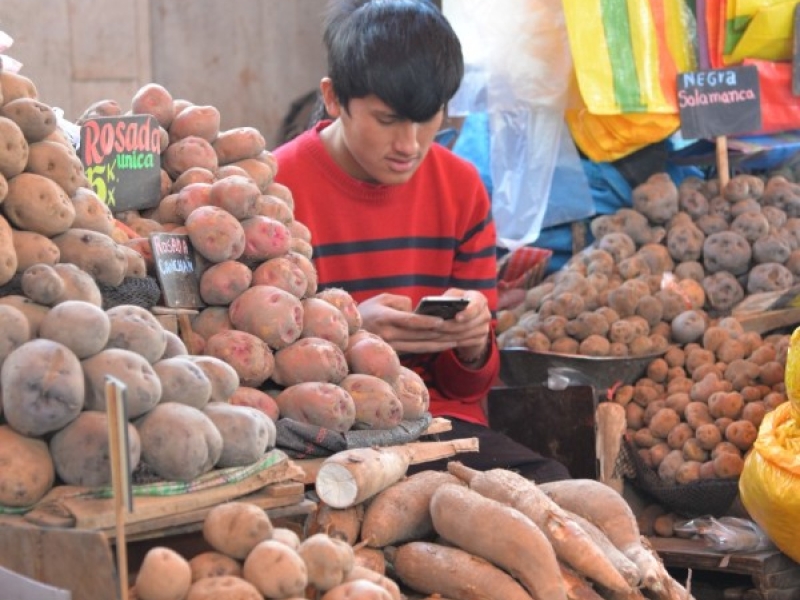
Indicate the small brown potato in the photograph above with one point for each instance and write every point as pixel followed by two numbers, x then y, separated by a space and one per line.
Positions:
pixel 689 471
pixel 163 575
pixel 359 589
pixel 773 400
pixel 250 356
pixel 36 119
pixel 677 402
pixel 328 560
pixel 741 433
pixel 223 377
pixel 678 435
pixel 723 447
pixel 52 214
pixel 565 345
pixel 57 162
pixel 224 587
pixel 722 424
pixel 663 422
pixel 183 381
pixel 697 358
pixel 703 389
pixel 692 451
pixel 222 283
pixel 675 356
pixel 197 120
pixel 143 387
pixel 247 433
pixel 754 412
pixel 594 345
pixel 377 405
pixel 270 313
pixel 276 570
pixel 310 359
pixel 771 373
pixel 31 248
pixel 623 394
pixel 319 403
pixel 708 436
pixel 727 465
pixel 763 354
pixel 249 396
pixel 81 451
pixel 41 386
pixel 657 370
pixel 664 525
pixel 644 438
pixel 658 452
pixel 154 99
pixel 237 144
pixel 234 528
pixel 135 328
pixel 725 404
pixel 188 152
pixel 634 415
pixel 28 472
pixel 731 350
pixel 14 151
pixel 81 326
pixel 179 442
pixel 668 469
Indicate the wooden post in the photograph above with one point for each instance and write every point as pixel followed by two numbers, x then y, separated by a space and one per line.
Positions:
pixel 184 323
pixel 722 161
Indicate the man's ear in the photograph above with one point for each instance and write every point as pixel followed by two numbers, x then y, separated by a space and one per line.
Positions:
pixel 332 106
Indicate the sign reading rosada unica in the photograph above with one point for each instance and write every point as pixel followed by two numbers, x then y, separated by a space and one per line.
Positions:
pixel 122 159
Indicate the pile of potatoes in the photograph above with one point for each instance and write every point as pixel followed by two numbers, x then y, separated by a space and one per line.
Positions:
pixel 300 352
pixel 662 278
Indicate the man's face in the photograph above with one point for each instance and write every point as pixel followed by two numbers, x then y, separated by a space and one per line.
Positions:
pixel 373 144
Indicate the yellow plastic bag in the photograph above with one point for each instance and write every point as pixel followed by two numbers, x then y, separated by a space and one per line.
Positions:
pixel 769 485
pixel 767 35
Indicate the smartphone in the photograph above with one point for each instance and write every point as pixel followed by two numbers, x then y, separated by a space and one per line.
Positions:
pixel 445 307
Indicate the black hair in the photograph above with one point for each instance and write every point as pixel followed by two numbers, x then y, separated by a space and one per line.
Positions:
pixel 403 51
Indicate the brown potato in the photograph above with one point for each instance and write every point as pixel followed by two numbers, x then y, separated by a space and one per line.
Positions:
pixel 28 472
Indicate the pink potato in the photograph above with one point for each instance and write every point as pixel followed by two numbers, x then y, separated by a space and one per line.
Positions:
pixel 192 196
pixel 377 405
pixel 238 195
pixel 154 99
pixel 192 175
pixel 318 403
pixel 223 282
pixel 198 120
pixel 189 152
pixel 309 359
pixel 265 238
pixel 255 398
pixel 269 313
pixel 247 354
pixel 373 356
pixel 275 208
pixel 215 233
pixel 260 172
pixel 323 320
pixel 211 320
pixel 342 300
pixel 239 143
pixel 282 273
pixel 308 268
pixel 412 393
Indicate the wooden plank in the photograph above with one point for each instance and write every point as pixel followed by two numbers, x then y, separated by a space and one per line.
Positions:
pixel 769 320
pixel 786 579
pixel 76 560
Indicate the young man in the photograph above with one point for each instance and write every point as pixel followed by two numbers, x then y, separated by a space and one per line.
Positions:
pixel 395 217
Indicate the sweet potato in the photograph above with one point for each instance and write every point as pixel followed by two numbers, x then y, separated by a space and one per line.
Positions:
pixel 373 356
pixel 55 161
pixel 238 195
pixel 401 512
pixel 247 433
pixel 188 152
pixel 215 233
pixel 36 119
pixel 249 355
pixel 239 143
pixel 318 403
pixel 322 319
pixel 234 528
pixel 143 387
pixel 309 359
pixel 51 214
pixel 163 575
pixel 81 326
pixel 282 273
pixel 42 387
pixel 198 120
pixel 452 572
pixel 377 405
pixel 81 450
pixel 525 552
pixel 28 472
pixel 269 313
pixel 14 152
pixel 223 282
pixel 179 441
pixel 276 570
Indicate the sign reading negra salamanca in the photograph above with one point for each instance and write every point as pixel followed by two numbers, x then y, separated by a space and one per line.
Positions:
pixel 173 256
pixel 122 159
pixel 719 102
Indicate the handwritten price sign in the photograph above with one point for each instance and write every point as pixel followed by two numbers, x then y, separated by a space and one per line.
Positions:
pixel 122 159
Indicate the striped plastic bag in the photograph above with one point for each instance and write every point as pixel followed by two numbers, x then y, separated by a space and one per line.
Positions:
pixel 627 53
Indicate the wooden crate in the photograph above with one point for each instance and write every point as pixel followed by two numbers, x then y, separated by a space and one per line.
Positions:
pixel 774 575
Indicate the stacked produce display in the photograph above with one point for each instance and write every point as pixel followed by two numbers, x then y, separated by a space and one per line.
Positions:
pixel 196 402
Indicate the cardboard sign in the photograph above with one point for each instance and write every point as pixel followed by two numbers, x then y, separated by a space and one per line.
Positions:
pixel 719 102
pixel 122 159
pixel 176 271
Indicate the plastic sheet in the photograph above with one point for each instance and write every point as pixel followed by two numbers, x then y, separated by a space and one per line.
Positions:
pixel 726 534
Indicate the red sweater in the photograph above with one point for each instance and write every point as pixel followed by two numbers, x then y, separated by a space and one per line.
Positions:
pixel 415 239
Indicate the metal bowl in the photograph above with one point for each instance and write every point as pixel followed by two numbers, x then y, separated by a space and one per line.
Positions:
pixel 521 367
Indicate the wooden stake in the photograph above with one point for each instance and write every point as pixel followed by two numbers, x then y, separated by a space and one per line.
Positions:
pixel 722 161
